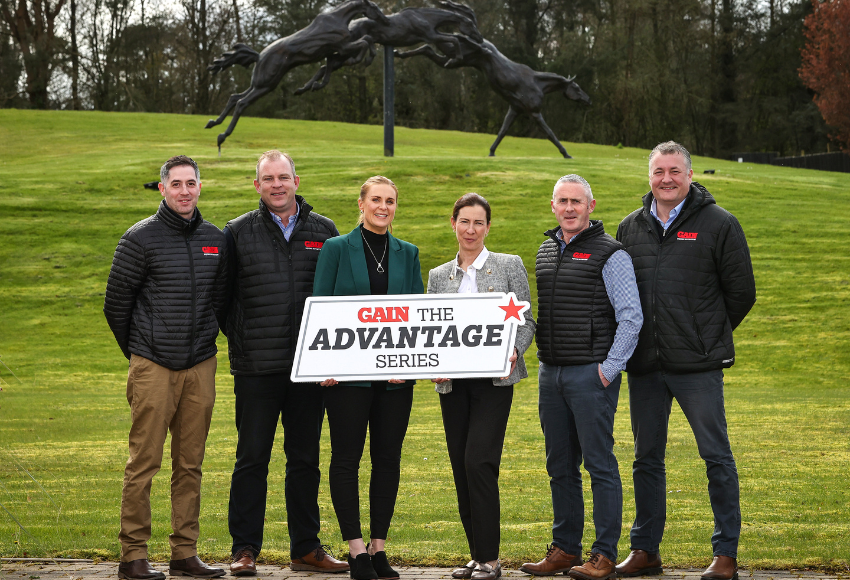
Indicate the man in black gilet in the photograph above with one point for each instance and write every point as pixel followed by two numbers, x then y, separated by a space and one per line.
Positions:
pixel 696 285
pixel 274 249
pixel 589 317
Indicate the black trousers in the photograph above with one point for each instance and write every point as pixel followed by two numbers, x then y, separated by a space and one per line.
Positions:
pixel 386 413
pixel 475 416
pixel 260 402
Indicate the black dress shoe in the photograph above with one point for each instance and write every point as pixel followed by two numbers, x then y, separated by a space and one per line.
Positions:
pixel 139 570
pixel 193 567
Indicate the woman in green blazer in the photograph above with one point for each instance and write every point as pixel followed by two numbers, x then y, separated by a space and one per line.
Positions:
pixel 368 261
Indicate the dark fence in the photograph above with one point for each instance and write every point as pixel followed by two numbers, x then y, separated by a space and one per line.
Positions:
pixel 836 161
pixel 765 158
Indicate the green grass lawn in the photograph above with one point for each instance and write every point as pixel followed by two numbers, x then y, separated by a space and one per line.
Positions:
pixel 71 184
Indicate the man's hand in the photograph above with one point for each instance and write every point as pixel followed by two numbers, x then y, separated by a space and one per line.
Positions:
pixel 605 382
pixel 439 381
pixel 329 382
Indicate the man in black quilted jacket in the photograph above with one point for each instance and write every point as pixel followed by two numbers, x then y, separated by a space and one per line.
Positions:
pixel 165 299
pixel 696 285
pixel 275 248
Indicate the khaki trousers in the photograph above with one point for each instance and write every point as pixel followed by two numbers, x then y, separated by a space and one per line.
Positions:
pixel 162 400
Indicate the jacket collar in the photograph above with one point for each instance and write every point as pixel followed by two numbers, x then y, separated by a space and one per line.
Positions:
pixel 304 209
pixel 595 229
pixel 698 197
pixel 170 218
pixel 395 263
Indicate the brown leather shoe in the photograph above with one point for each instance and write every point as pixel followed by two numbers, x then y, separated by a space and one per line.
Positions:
pixel 464 572
pixel 244 563
pixel 139 570
pixel 193 567
pixel 318 561
pixel 598 567
pixel 722 568
pixel 556 560
pixel 639 563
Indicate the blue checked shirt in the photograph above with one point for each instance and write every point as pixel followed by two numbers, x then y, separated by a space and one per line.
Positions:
pixel 618 273
pixel 290 224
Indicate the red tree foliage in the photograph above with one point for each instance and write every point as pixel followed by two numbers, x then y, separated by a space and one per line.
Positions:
pixel 826 64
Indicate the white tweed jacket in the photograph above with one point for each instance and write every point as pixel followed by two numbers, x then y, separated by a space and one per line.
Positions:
pixel 500 273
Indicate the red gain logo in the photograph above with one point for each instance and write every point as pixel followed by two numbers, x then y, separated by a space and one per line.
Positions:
pixel 389 314
pixel 209 250
pixel 313 245
pixel 580 256
pixel 687 235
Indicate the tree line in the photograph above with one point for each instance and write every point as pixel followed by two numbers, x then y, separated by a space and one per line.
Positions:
pixel 721 76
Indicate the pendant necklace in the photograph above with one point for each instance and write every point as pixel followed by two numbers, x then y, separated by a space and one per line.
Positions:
pixel 380 268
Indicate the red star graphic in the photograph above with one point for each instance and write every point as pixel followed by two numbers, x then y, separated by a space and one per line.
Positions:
pixel 512 310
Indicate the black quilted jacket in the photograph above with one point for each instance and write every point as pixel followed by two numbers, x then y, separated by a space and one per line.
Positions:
pixel 575 319
pixel 272 279
pixel 166 292
pixel 696 285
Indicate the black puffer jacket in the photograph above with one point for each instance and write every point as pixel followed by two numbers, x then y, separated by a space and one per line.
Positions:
pixel 696 285
pixel 575 318
pixel 166 292
pixel 272 279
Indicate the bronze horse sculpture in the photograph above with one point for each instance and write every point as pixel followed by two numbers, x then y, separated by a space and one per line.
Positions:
pixel 520 85
pixel 326 36
pixel 408 27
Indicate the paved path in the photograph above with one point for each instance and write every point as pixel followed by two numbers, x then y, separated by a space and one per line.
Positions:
pixel 82 570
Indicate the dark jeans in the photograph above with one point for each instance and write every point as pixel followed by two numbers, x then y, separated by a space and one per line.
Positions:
pixel 577 415
pixel 385 412
pixel 260 401
pixel 700 395
pixel 475 416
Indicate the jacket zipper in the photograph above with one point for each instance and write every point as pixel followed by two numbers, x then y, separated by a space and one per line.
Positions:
pixel 194 302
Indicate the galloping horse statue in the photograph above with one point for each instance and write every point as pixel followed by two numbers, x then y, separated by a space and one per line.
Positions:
pixel 408 27
pixel 521 86
pixel 327 35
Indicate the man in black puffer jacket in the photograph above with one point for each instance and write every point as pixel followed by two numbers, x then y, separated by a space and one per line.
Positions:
pixel 165 299
pixel 275 249
pixel 696 285
pixel 588 320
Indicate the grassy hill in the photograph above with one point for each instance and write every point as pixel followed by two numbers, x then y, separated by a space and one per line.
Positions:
pixel 71 184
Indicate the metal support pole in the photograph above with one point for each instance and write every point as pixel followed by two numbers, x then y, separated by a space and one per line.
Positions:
pixel 389 102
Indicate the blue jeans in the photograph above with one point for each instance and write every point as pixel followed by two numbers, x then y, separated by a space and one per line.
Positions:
pixel 577 416
pixel 700 395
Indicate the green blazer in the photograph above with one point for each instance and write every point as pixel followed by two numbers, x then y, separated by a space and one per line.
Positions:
pixel 341 271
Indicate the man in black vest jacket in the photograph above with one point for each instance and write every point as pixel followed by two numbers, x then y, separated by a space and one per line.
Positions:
pixel 589 317
pixel 165 299
pixel 275 249
pixel 696 285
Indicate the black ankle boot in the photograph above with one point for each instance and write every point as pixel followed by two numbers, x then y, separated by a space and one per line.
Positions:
pixel 382 566
pixel 361 567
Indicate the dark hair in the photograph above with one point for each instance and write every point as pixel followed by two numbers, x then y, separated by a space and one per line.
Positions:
pixel 468 200
pixel 177 161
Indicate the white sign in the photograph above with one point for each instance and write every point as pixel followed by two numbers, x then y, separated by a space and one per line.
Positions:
pixel 407 336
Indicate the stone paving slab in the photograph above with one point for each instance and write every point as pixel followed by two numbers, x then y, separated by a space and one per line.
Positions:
pixel 90 570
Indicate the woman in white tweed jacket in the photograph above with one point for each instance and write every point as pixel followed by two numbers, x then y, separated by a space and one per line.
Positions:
pixel 475 411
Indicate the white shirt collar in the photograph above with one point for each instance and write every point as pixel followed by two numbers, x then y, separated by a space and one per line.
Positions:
pixel 477 264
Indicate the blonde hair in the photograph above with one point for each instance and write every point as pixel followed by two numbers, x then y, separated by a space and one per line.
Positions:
pixel 367 185
pixel 274 155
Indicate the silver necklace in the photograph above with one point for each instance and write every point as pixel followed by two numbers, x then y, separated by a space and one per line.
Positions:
pixel 380 268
